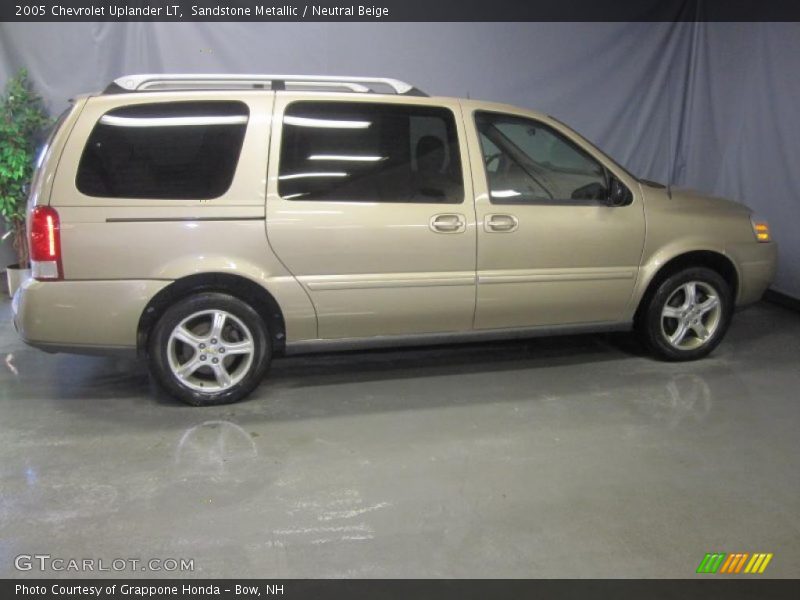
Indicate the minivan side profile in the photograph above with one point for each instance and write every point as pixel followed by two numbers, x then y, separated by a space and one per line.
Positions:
pixel 211 222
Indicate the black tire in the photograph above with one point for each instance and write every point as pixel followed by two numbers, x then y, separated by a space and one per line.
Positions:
pixel 249 369
pixel 654 328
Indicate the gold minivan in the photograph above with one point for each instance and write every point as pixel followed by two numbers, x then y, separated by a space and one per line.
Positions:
pixel 211 222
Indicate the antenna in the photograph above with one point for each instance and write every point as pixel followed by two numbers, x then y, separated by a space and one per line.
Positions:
pixel 670 156
pixel 683 110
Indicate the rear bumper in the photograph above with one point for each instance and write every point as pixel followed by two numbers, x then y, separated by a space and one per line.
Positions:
pixel 85 317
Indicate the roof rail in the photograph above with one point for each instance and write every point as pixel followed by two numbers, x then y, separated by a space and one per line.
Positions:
pixel 186 81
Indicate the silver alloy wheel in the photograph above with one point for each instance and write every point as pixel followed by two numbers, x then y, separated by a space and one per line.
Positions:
pixel 210 351
pixel 691 315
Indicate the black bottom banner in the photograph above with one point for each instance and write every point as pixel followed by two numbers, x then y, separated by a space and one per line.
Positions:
pixel 378 589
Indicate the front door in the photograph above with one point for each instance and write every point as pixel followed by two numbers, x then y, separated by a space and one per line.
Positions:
pixel 552 250
pixel 369 208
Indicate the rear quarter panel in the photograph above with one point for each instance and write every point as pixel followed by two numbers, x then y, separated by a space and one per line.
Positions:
pixel 106 239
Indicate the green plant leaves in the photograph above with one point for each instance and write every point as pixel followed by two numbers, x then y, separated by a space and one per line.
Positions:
pixel 22 118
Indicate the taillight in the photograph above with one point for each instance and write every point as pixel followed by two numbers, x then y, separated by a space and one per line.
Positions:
pixel 45 244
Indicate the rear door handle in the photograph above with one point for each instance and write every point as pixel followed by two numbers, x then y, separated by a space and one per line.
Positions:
pixel 500 223
pixel 448 223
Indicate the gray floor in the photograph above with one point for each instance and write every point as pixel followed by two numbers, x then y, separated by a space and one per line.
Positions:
pixel 564 457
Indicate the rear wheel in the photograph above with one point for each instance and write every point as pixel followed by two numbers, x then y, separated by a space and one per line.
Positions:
pixel 209 349
pixel 688 315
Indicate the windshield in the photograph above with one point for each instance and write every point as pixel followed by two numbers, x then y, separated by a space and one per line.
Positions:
pixel 594 147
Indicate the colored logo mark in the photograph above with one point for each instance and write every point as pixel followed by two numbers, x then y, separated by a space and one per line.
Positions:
pixel 736 562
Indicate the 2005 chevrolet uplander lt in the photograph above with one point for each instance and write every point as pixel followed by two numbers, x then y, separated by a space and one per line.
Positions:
pixel 211 222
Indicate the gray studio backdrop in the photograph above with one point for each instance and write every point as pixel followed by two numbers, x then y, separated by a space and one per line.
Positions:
pixel 713 106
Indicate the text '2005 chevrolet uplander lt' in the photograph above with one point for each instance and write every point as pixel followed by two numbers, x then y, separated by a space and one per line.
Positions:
pixel 212 222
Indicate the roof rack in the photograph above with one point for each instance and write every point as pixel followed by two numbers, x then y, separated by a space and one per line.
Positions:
pixel 154 82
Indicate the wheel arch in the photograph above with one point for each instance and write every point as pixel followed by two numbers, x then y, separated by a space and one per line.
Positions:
pixel 711 259
pixel 242 288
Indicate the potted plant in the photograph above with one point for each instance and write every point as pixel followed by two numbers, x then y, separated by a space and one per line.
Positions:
pixel 22 119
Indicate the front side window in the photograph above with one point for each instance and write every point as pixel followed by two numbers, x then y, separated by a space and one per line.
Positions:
pixel 528 162
pixel 369 152
pixel 176 150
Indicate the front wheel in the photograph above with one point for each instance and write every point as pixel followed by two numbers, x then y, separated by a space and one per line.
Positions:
pixel 687 316
pixel 209 349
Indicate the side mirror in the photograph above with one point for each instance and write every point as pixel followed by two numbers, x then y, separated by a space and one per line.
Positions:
pixel 618 193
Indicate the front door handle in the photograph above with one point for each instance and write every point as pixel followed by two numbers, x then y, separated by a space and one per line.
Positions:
pixel 448 223
pixel 500 223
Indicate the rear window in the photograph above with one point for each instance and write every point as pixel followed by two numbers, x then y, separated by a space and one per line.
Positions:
pixel 176 150
pixel 43 145
pixel 369 152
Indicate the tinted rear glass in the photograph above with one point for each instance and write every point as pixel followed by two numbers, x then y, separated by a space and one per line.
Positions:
pixel 367 152
pixel 176 150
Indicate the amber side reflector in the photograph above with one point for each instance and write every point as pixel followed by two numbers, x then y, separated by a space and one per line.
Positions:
pixel 761 229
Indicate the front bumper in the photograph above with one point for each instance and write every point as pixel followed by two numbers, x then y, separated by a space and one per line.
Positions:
pixel 757 265
pixel 86 317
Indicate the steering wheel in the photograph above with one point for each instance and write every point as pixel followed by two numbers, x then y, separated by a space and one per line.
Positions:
pixel 493 157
